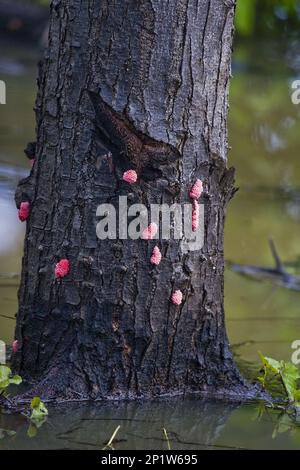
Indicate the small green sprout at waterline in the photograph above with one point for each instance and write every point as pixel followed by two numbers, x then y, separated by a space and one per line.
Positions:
pixel 6 379
pixel 38 416
pixel 38 409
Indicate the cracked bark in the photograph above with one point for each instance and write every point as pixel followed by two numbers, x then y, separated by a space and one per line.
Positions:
pixel 124 85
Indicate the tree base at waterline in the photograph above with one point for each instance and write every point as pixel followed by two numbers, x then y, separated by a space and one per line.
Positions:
pixel 61 385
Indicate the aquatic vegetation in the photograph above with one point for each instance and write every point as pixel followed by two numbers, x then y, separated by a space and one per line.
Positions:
pixel 38 409
pixel 288 375
pixel 36 414
pixel 7 379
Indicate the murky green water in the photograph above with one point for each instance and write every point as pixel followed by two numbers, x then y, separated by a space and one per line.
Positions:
pixel 265 139
pixel 190 424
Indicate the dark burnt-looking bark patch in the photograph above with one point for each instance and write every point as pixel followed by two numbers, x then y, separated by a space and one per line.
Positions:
pixel 128 146
pixel 125 85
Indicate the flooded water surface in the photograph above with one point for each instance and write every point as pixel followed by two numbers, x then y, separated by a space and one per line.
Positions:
pixel 192 424
pixel 265 141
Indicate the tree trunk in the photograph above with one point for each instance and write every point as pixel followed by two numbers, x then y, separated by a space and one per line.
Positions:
pixel 127 85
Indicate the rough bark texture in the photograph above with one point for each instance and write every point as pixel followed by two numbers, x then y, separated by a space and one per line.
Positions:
pixel 127 84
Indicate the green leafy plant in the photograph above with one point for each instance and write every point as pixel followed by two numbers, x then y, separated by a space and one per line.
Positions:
pixel 38 410
pixel 6 379
pixel 287 373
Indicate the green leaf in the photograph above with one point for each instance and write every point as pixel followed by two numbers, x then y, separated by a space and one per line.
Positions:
pixel 35 403
pixel 16 380
pixel 297 398
pixel 271 364
pixel 38 409
pixel 6 379
pixel 4 384
pixel 4 376
pixel 289 375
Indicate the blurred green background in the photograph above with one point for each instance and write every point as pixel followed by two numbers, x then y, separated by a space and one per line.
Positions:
pixel 264 17
pixel 253 17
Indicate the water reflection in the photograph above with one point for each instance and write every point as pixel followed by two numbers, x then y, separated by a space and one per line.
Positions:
pixel 190 424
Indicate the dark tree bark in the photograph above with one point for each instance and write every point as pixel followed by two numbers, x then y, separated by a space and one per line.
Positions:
pixel 127 84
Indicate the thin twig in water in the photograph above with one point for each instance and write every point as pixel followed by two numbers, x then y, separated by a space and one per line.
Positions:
pixel 167 438
pixel 109 444
pixel 9 275
pixel 8 317
pixel 8 403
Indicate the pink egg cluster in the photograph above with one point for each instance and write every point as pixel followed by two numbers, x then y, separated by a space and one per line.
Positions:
pixel 130 176
pixel 15 346
pixel 150 231
pixel 156 256
pixel 62 268
pixel 196 190
pixel 24 211
pixel 195 215
pixel 177 297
